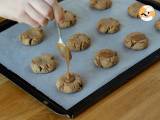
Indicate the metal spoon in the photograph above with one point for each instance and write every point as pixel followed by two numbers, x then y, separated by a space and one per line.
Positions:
pixel 63 49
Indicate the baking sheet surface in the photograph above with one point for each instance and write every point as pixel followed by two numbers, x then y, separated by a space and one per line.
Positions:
pixel 17 57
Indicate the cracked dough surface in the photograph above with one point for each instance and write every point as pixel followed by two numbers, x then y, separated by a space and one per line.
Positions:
pixel 108 25
pixel 157 25
pixel 133 9
pixel 32 36
pixel 106 58
pixel 69 85
pixel 69 19
pixel 79 42
pixel 43 64
pixel 100 4
pixel 136 41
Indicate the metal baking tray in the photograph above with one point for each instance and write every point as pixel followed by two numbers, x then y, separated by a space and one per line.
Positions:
pixel 15 58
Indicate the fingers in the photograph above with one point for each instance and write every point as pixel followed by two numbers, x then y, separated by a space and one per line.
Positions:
pixel 28 20
pixel 35 15
pixel 42 7
pixel 58 13
pixel 57 9
pixel 38 12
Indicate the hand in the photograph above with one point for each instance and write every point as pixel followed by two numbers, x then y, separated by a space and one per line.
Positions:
pixel 33 12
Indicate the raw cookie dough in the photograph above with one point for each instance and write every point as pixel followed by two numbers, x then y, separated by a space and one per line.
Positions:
pixel 69 85
pixel 79 42
pixel 43 64
pixel 100 4
pixel 157 25
pixel 32 36
pixel 69 19
pixel 133 10
pixel 108 25
pixel 136 41
pixel 106 58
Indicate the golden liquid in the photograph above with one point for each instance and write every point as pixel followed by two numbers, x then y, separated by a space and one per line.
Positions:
pixel 66 54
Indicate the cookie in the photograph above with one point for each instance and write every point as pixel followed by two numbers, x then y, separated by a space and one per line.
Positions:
pixel 108 25
pixel 79 42
pixel 106 58
pixel 43 64
pixel 32 36
pixel 70 84
pixel 157 25
pixel 136 41
pixel 133 9
pixel 69 19
pixel 100 4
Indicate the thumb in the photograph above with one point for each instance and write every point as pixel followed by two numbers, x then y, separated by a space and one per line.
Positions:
pixel 58 12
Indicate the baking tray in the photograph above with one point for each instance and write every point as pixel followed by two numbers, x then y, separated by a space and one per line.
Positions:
pixel 144 58
pixel 6 24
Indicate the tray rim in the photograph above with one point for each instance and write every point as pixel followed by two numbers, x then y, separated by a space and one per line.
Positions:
pixel 100 93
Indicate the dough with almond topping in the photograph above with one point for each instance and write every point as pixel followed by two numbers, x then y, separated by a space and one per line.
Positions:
pixel 157 25
pixel 32 36
pixel 108 25
pixel 106 58
pixel 133 9
pixel 79 42
pixel 100 4
pixel 136 41
pixel 70 84
pixel 69 19
pixel 43 64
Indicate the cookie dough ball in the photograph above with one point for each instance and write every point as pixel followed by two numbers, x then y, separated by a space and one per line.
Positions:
pixel 133 10
pixel 157 25
pixel 69 19
pixel 79 42
pixel 108 25
pixel 32 36
pixel 69 83
pixel 136 41
pixel 43 64
pixel 106 58
pixel 100 4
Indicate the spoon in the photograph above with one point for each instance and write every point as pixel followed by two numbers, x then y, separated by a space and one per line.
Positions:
pixel 63 49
